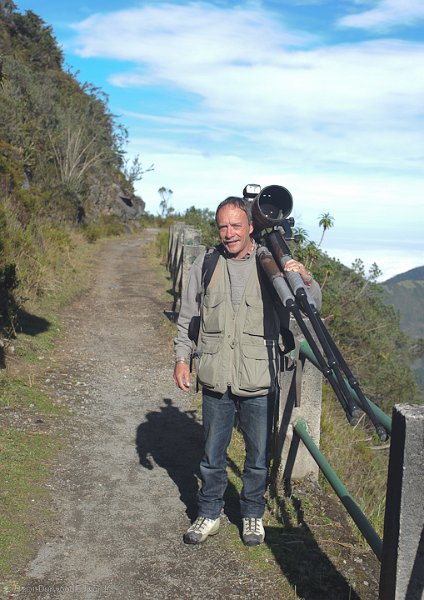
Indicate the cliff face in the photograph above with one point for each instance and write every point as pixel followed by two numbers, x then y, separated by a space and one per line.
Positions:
pixel 57 137
pixel 62 166
pixel 114 199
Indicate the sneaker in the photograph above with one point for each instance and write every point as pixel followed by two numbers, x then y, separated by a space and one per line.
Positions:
pixel 200 530
pixel 253 531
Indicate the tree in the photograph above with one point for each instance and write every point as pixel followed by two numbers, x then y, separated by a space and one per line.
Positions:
pixel 134 171
pixel 326 222
pixel 204 220
pixel 74 157
pixel 301 235
pixel 374 272
pixel 359 267
pixel 165 208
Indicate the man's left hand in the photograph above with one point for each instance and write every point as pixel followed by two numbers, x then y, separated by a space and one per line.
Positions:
pixel 297 267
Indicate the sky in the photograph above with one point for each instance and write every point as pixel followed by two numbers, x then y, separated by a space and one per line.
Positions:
pixel 323 97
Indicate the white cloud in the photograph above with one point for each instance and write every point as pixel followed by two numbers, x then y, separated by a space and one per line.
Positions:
pixel 387 14
pixel 380 209
pixel 254 64
pixel 196 34
pixel 360 102
pixel 374 223
pixel 340 125
pixel 390 261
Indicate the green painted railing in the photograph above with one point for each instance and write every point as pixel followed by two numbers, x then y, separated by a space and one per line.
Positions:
pixel 349 503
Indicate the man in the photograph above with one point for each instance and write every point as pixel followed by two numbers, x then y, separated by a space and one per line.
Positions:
pixel 237 366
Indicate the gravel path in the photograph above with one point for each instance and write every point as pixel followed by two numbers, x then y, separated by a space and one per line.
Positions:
pixel 124 487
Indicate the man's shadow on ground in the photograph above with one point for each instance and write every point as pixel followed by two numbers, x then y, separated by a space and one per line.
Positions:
pixel 173 440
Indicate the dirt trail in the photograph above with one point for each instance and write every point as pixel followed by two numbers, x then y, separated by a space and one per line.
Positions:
pixel 124 487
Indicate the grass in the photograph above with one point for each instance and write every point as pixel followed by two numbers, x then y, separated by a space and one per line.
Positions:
pixel 29 417
pixel 67 274
pixel 26 449
pixel 300 533
pixel 308 538
pixel 36 335
pixel 17 394
pixel 359 459
pixel 108 226
pixel 32 424
pixel 25 456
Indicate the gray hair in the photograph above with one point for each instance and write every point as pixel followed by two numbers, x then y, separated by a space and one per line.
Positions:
pixel 237 202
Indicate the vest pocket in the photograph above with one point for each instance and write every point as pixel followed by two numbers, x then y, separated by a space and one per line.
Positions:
pixel 207 365
pixel 261 317
pixel 258 364
pixel 254 322
pixel 213 313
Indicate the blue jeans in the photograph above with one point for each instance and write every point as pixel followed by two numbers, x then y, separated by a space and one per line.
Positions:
pixel 255 418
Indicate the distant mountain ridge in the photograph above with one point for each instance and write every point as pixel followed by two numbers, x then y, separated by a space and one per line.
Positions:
pixel 406 293
pixel 412 275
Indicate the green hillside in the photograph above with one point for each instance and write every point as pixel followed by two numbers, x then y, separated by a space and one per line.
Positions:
pixel 63 171
pixel 405 292
pixel 59 142
pixel 416 274
pixel 407 296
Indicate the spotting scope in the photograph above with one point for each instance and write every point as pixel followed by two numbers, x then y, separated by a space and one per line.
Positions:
pixel 270 206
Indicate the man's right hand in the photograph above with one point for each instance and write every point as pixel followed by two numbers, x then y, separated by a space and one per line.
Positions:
pixel 182 376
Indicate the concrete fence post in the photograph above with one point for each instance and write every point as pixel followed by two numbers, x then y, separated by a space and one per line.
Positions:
pixel 170 247
pixel 177 263
pixel 192 248
pixel 402 566
pixel 183 247
pixel 175 232
pixel 192 236
pixel 190 254
pixel 300 397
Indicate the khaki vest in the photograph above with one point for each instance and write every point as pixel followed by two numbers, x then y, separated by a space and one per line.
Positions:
pixel 238 349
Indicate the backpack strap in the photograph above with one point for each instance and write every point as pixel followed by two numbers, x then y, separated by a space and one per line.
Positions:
pixel 209 263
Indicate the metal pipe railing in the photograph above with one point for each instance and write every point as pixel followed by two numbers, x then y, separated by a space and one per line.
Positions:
pixel 348 502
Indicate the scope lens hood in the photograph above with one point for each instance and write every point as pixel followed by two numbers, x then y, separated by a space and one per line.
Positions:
pixel 271 206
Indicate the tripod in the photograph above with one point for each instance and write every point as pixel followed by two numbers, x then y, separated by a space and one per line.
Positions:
pixel 294 296
pixel 270 209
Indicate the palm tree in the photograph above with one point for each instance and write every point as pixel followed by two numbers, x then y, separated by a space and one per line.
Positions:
pixel 301 234
pixel 326 222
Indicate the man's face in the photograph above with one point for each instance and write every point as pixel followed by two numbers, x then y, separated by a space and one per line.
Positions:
pixel 234 230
